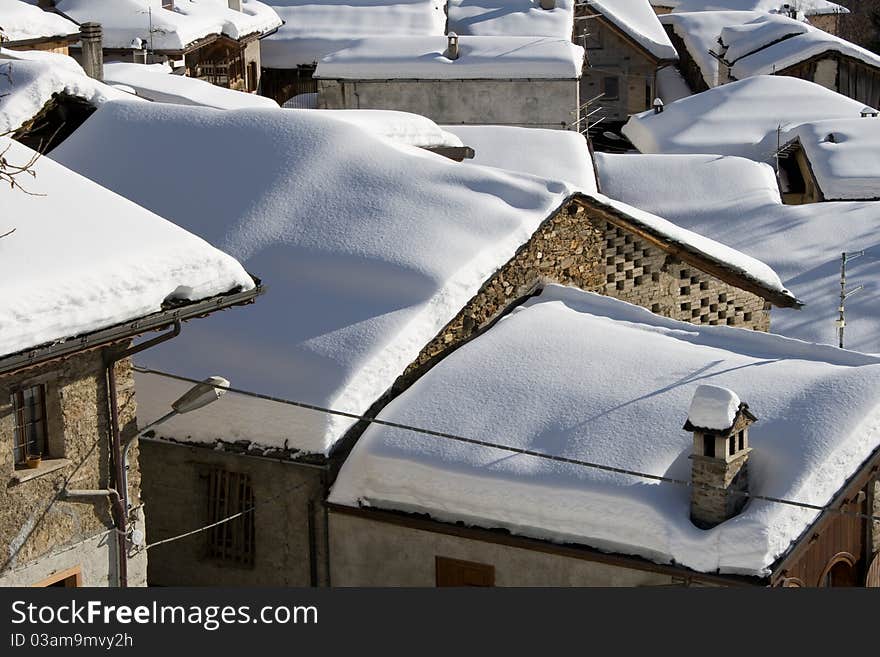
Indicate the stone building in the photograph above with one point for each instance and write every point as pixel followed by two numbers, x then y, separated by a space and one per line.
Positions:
pixel 67 400
pixel 576 473
pixel 625 47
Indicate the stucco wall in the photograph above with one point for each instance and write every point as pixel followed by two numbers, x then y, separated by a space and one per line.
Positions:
pixel 35 522
pixel 176 499
pixel 365 552
pixel 535 103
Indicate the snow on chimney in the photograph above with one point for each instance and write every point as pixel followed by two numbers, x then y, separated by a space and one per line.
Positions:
pixel 452 47
pixel 719 463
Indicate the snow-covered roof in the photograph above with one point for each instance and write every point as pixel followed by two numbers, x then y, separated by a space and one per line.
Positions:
pixel 774 43
pixel 481 57
pixel 372 246
pixel 737 202
pixel 28 81
pixel 511 18
pixel 671 86
pixel 637 19
pixel 739 118
pixel 843 156
pixel 804 7
pixel 400 127
pixel 20 21
pixel 82 258
pixel 580 400
pixel 713 407
pixel 551 154
pixel 255 17
pixel 699 30
pixel 313 29
pixel 156 82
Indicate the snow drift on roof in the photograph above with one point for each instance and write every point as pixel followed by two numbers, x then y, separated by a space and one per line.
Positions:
pixel 551 154
pixel 480 58
pixel 741 39
pixel 739 118
pixel 371 246
pixel 73 282
pixel 671 86
pixel 805 7
pixel 843 155
pixel 737 202
pixel 400 127
pixel 20 21
pixel 580 400
pixel 28 81
pixel 254 18
pixel 713 407
pixel 155 82
pixel 636 19
pixel 511 18
pixel 699 30
pixel 314 29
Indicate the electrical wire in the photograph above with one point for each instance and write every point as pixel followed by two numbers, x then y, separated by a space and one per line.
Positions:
pixel 526 452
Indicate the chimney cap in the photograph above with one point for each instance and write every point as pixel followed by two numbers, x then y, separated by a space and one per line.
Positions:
pixel 715 409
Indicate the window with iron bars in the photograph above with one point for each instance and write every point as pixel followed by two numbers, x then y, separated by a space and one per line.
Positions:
pixel 29 436
pixel 230 493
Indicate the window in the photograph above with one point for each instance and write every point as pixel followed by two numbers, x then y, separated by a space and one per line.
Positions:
pixel 68 579
pixel 455 572
pixel 731 446
pixel 742 439
pixel 611 87
pixel 29 437
pixel 230 493
pixel 709 446
pixel 252 76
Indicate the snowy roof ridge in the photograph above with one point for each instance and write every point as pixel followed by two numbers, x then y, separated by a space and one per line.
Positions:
pixel 639 23
pixel 20 21
pixel 806 7
pixel 734 267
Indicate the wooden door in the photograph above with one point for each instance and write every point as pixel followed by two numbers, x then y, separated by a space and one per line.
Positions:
pixel 455 572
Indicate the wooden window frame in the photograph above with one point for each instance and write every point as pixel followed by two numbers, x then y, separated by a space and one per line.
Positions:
pixel 21 423
pixel 72 578
pixel 445 566
pixel 840 557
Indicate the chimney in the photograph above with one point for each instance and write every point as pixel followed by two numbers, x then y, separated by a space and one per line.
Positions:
pixel 452 47
pixel 92 38
pixel 548 4
pixel 235 5
pixel 719 462
pixel 658 106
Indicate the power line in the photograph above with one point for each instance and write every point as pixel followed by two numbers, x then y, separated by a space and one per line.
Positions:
pixel 525 452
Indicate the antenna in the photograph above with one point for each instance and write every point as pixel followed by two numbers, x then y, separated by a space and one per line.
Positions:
pixel 841 320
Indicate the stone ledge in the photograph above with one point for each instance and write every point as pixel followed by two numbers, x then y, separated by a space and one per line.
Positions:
pixel 47 466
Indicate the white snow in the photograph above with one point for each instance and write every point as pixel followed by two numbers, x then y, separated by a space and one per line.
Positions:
pixel 637 19
pixel 370 246
pixel 671 86
pixel 739 118
pixel 551 154
pixel 713 407
pixel 843 155
pixel 20 21
pixel 480 58
pixel 700 31
pixel 156 82
pixel 817 409
pixel 29 79
pixel 57 280
pixel 254 18
pixel 511 18
pixel 737 202
pixel 741 39
pixel 804 7
pixel 400 127
pixel 314 29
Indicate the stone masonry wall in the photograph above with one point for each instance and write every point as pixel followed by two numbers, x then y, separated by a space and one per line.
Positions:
pixel 582 248
pixel 34 521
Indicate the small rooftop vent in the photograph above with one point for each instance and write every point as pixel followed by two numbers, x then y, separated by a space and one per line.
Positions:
pixel 452 46
pixel 658 105
pixel 868 112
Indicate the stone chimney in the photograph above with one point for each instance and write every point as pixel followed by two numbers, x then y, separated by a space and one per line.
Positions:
pixel 452 46
pixel 235 5
pixel 719 462
pixel 92 38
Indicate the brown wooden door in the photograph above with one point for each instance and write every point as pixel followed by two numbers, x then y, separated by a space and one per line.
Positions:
pixel 455 572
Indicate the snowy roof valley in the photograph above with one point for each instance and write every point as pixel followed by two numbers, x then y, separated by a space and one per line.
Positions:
pixel 439 293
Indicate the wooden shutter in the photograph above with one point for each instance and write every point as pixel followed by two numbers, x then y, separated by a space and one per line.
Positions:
pixel 455 572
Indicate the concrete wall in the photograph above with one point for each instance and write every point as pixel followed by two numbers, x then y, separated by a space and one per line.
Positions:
pixel 365 552
pixel 534 103
pixel 176 498
pixel 37 527
pixel 615 57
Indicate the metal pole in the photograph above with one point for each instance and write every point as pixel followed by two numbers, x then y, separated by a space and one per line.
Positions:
pixel 841 309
